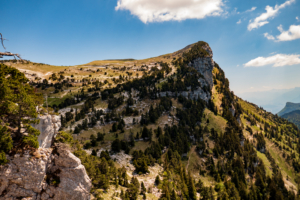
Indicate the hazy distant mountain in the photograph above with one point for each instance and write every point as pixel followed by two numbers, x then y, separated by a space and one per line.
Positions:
pixel 293 117
pixel 273 100
pixel 289 107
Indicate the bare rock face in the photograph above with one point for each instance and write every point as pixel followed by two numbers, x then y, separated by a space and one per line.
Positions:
pixel 47 174
pixel 198 93
pixel 48 126
pixel 205 65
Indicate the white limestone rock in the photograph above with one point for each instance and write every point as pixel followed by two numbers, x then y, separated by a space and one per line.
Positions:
pixel 25 176
pixel 48 126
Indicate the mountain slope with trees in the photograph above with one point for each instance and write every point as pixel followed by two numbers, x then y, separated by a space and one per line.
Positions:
pixel 138 144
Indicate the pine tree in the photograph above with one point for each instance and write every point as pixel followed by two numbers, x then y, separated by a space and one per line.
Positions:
pixel 6 143
pixel 18 103
pixel 192 189
pixel 174 195
pixel 143 188
pixel 157 180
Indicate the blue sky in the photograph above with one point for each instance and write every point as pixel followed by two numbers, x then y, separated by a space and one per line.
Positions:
pixel 76 32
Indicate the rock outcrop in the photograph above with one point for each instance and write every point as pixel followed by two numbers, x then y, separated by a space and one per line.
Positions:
pixel 48 126
pixel 198 93
pixel 205 65
pixel 46 174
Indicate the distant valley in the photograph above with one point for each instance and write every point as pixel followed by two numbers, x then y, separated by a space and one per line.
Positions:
pixel 273 100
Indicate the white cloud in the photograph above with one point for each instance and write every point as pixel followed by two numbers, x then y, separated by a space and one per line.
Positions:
pixel 269 37
pixel 278 60
pixel 297 18
pixel 250 10
pixel 238 22
pixel 167 10
pixel 263 18
pixel 292 34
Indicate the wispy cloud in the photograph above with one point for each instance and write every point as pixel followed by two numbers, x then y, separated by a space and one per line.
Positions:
pixel 270 13
pixel 278 60
pixel 250 10
pixel 242 13
pixel 297 18
pixel 269 37
pixel 166 10
pixel 235 11
pixel 292 34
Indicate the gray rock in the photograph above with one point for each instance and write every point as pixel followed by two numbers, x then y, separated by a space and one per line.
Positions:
pixel 48 126
pixel 24 177
pixel 205 65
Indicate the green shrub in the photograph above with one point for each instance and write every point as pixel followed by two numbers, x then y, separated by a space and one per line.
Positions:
pixel 64 137
pixel 6 143
pixel 31 141
pixel 3 159
pixel 32 138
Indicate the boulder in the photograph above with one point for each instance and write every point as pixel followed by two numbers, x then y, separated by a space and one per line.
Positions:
pixel 46 174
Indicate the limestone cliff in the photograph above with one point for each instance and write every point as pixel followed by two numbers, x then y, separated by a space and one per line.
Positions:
pixel 204 65
pixel 48 127
pixel 45 174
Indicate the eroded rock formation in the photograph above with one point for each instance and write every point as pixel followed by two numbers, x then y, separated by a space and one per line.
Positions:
pixel 48 127
pixel 45 174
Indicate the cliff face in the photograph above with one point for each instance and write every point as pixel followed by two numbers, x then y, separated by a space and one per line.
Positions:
pixel 48 126
pixel 45 174
pixel 205 65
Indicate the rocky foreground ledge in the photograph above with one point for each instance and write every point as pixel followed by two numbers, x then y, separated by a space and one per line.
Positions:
pixel 48 173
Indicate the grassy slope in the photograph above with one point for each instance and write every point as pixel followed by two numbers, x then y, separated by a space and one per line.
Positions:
pixel 215 121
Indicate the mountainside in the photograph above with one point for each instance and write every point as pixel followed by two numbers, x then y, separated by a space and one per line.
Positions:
pixel 289 107
pixel 165 128
pixel 293 117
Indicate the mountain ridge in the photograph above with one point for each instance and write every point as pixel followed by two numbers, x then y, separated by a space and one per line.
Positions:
pixel 289 107
pixel 151 135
